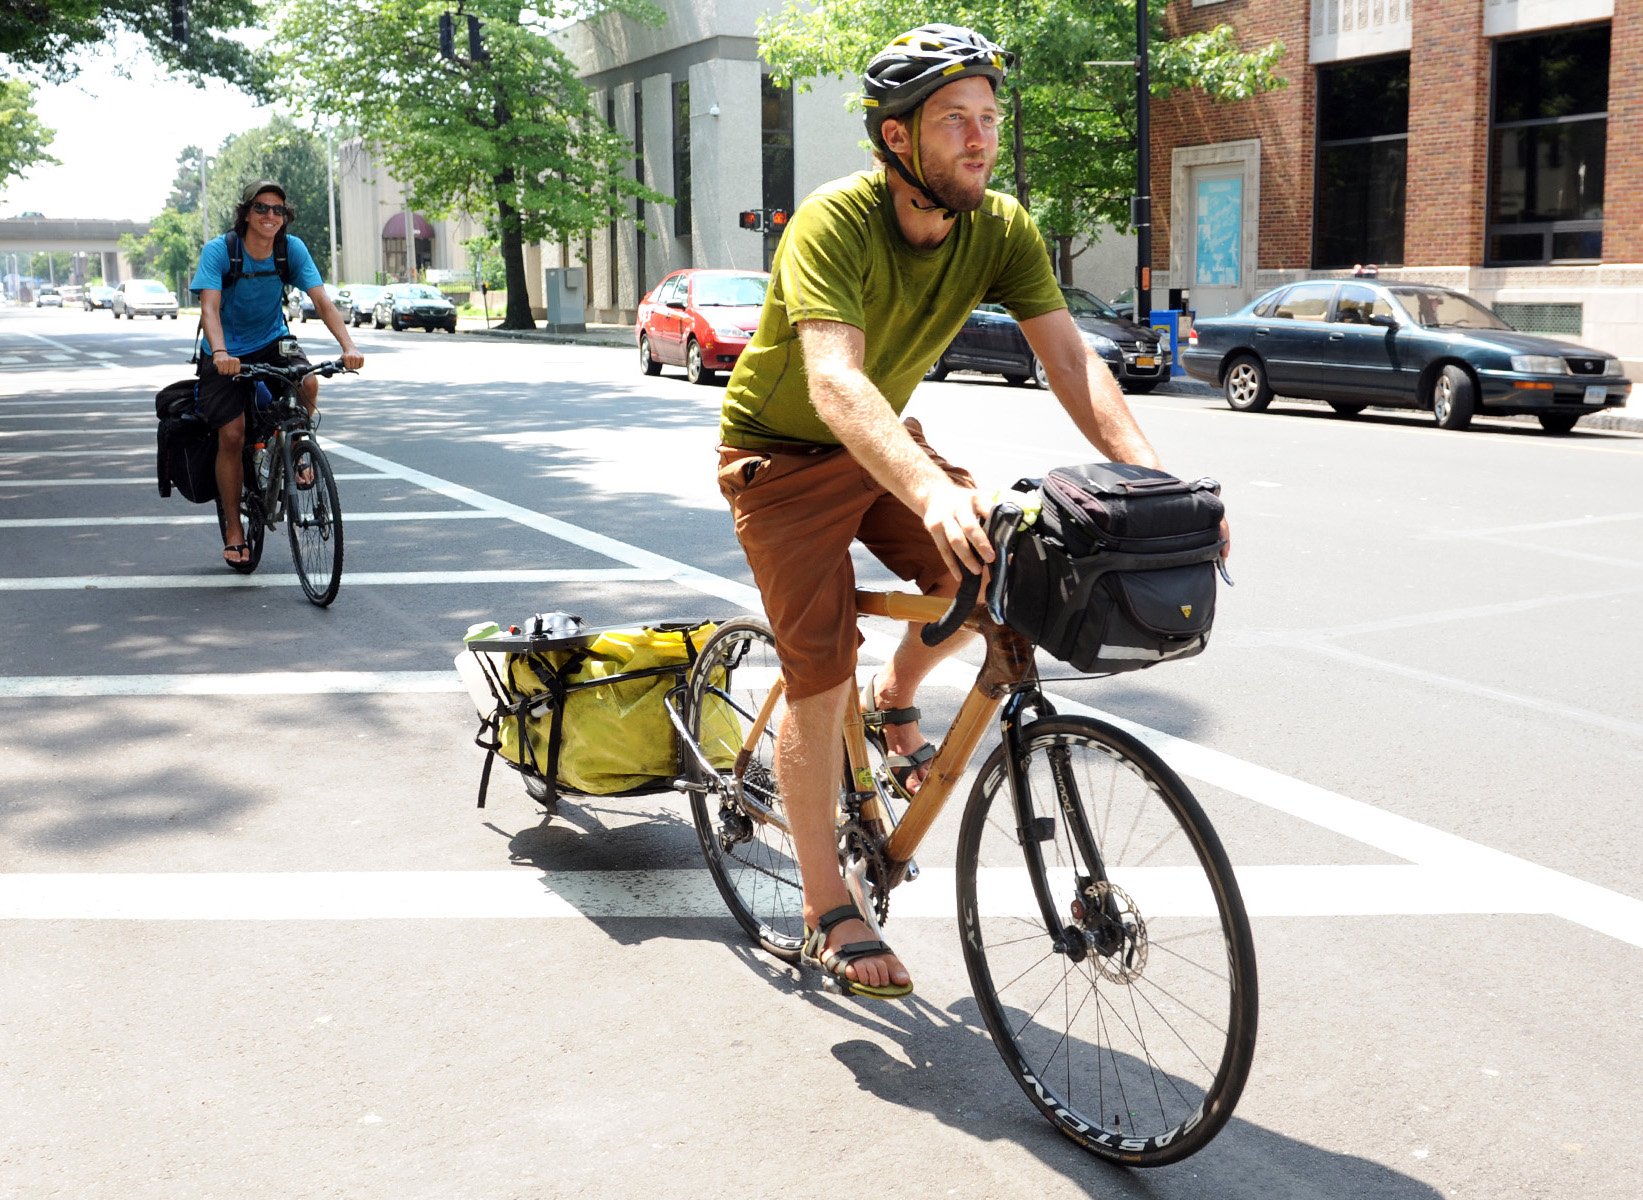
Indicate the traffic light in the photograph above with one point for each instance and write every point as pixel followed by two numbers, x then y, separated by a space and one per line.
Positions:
pixel 752 218
pixel 778 219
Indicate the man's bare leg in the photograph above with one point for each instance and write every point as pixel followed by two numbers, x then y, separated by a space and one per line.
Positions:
pixel 809 767
pixel 897 682
pixel 230 477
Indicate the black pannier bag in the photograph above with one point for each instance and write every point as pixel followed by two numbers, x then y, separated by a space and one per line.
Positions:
pixel 187 457
pixel 1118 570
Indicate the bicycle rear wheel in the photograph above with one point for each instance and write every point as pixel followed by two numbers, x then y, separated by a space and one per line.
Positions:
pixel 314 523
pixel 1135 1039
pixel 738 808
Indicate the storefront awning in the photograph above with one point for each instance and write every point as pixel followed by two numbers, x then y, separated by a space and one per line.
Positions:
pixel 395 227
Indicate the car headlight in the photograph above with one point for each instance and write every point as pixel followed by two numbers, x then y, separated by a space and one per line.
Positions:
pixel 729 331
pixel 1613 367
pixel 1101 345
pixel 1539 364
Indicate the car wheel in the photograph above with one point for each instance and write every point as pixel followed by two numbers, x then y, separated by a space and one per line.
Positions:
pixel 1245 386
pixel 1040 380
pixel 1452 398
pixel 450 327
pixel 938 371
pixel 648 362
pixel 1015 380
pixel 376 321
pixel 1347 408
pixel 173 316
pixel 1556 422
pixel 696 370
pixel 393 322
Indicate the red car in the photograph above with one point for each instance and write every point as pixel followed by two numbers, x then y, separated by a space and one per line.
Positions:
pixel 700 320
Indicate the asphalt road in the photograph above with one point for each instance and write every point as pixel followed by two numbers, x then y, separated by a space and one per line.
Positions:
pixel 257 940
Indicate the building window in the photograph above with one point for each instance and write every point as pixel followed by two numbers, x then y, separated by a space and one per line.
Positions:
pixel 681 158
pixel 1363 150
pixel 1546 150
pixel 776 144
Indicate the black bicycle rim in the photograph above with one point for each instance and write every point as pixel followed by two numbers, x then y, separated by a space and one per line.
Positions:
pixel 1137 1044
pixel 313 521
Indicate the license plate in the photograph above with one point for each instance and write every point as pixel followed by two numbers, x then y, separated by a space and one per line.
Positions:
pixel 1146 360
pixel 1596 394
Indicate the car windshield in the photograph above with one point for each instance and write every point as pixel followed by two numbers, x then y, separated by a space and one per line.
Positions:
pixel 418 291
pixel 1433 308
pixel 146 285
pixel 727 291
pixel 48 291
pixel 1081 304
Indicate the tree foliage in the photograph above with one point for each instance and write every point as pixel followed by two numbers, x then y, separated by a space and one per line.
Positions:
pixel 43 36
pixel 23 139
pixel 1077 121
pixel 511 140
pixel 282 151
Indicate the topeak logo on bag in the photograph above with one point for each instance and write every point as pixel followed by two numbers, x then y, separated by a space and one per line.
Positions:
pixel 1186 611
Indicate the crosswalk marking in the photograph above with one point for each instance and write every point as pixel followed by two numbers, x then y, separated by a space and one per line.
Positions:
pixel 150 480
pixel 460 514
pixel 352 579
pixel 252 683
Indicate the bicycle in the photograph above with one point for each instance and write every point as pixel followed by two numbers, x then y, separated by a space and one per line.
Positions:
pixel 1102 927
pixel 280 449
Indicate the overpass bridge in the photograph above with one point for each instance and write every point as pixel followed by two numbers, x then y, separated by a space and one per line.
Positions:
pixel 34 235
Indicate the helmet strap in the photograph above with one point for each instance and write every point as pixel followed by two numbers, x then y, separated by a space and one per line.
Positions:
pixel 916 181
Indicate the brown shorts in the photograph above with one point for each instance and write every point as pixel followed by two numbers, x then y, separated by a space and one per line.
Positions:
pixel 796 514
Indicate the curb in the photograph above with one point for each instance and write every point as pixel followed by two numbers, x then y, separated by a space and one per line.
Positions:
pixel 1619 420
pixel 620 336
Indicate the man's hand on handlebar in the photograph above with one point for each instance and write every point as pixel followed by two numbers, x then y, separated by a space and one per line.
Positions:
pixel 955 518
pixel 353 360
pixel 225 363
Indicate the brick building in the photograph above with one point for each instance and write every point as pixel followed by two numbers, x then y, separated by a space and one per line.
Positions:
pixel 1494 146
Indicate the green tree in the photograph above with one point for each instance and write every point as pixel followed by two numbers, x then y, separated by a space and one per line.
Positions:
pixel 23 139
pixel 172 248
pixel 136 254
pixel 43 35
pixel 1069 146
pixel 185 188
pixel 511 138
pixel 282 151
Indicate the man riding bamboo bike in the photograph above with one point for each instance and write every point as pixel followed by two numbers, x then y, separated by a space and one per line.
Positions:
pixel 875 275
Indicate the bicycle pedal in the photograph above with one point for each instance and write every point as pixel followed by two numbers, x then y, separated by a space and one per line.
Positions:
pixel 831 985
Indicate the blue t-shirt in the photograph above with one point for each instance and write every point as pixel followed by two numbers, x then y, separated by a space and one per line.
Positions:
pixel 253 310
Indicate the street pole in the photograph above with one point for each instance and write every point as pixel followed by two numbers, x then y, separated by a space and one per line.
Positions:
pixel 331 190
pixel 1143 172
pixel 410 237
pixel 205 217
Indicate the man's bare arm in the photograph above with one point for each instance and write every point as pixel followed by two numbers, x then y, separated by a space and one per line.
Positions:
pixel 1087 390
pixel 857 412
pixel 211 321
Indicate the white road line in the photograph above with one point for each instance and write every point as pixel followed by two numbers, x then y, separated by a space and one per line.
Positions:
pixel 10 455
pixel 79 404
pixel 150 481
pixel 1568 712
pixel 51 356
pixel 10 359
pixel 1160 893
pixel 1470 863
pixel 1503 530
pixel 151 353
pixel 694 578
pixel 52 342
pixel 1518 547
pixel 461 514
pixel 253 683
pixel 71 583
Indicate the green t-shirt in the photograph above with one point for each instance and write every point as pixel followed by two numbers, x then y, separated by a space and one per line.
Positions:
pixel 843 258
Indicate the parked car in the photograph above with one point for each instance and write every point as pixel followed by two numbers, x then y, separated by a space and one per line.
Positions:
pixel 71 293
pixel 991 342
pixel 307 301
pixel 149 297
pixel 1354 344
pixel 701 320
pixel 48 297
pixel 98 296
pixel 356 300
pixel 293 305
pixel 402 305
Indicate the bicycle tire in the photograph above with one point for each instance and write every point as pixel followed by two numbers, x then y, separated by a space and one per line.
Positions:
pixel 752 862
pixel 313 522
pixel 1158 1019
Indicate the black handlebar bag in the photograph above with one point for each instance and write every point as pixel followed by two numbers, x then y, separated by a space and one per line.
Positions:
pixel 1118 570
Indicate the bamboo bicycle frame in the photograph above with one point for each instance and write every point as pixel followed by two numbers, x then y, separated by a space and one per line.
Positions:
pixel 1009 661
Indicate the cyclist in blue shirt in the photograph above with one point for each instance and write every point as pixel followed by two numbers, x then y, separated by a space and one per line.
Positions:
pixel 243 321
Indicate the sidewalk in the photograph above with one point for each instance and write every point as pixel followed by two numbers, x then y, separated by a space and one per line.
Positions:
pixel 596 335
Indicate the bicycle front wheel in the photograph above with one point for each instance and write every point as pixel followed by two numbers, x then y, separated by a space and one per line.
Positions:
pixel 737 807
pixel 314 522
pixel 250 522
pixel 1130 1021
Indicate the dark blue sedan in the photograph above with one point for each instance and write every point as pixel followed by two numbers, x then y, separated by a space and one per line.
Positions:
pixel 1354 344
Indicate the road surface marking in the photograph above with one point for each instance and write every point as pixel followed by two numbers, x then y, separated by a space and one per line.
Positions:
pixel 352 579
pixel 254 683
pixel 1503 530
pixel 16 454
pixel 150 480
pixel 1160 892
pixel 460 514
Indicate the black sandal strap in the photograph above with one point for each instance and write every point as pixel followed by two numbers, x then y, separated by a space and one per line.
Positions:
pixel 837 916
pixel 875 718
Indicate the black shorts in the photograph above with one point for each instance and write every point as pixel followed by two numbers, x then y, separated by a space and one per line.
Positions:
pixel 224 397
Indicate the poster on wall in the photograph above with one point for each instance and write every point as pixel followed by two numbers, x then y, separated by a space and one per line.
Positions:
pixel 1220 232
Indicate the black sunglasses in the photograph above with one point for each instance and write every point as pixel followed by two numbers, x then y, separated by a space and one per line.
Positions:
pixel 279 210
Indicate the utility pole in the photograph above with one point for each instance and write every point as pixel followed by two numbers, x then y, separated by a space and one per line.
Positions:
pixel 331 190
pixel 205 217
pixel 1143 171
